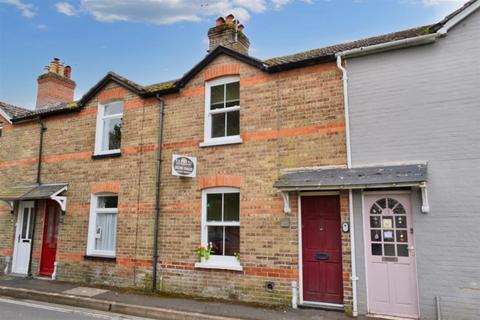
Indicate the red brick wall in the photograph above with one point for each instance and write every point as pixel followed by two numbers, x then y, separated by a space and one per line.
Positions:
pixel 54 88
pixel 288 120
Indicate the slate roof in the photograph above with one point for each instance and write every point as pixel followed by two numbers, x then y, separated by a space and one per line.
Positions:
pixel 354 178
pixel 276 64
pixel 31 192
pixel 332 50
pixel 13 111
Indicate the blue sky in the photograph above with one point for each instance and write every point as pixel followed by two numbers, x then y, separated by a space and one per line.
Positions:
pixel 150 41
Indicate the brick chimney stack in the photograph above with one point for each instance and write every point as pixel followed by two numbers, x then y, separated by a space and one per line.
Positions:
pixel 228 33
pixel 55 85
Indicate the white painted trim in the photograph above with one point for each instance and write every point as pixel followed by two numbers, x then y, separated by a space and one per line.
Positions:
pixel 99 127
pixel 221 141
pixel 217 262
pixel 365 248
pixel 286 202
pixel 319 193
pixel 388 192
pixel 354 187
pixel 459 17
pixel 92 226
pixel 207 137
pixel 221 266
pixel 425 204
pixel 392 45
pixel 6 116
pixel 61 200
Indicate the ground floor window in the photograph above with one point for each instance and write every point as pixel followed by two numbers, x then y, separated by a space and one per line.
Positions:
pixel 102 231
pixel 221 223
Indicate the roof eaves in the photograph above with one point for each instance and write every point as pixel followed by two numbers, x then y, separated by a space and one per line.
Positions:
pixel 70 107
pixel 300 63
pixel 5 115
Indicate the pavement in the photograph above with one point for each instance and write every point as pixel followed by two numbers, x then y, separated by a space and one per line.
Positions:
pixel 154 307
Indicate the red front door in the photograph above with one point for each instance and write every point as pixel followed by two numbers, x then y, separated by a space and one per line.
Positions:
pixel 50 233
pixel 322 249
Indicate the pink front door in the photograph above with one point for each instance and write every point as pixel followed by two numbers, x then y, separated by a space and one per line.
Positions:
pixel 391 270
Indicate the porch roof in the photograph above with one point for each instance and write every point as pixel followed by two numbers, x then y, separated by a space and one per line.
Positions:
pixel 32 192
pixel 354 178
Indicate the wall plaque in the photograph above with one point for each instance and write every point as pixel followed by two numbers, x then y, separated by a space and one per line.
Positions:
pixel 184 166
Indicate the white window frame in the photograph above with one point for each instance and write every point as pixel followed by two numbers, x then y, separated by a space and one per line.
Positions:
pixel 100 126
pixel 217 262
pixel 208 140
pixel 91 251
pixel 1 129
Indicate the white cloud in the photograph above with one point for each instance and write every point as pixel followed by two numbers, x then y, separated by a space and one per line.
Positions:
pixel 280 3
pixel 28 9
pixel 41 26
pixel 66 8
pixel 431 3
pixel 171 11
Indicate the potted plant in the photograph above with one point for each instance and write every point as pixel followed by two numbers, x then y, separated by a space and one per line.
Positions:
pixel 204 252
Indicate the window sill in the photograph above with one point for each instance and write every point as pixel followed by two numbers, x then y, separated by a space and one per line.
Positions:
pixel 217 265
pixel 107 155
pixel 100 258
pixel 221 141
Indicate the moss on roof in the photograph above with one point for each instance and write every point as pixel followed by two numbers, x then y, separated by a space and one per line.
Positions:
pixel 160 86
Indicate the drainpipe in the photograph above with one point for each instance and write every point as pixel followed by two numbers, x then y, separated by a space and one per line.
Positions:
pixel 40 150
pixel 354 277
pixel 35 207
pixel 157 193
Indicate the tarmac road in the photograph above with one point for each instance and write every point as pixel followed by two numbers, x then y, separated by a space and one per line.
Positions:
pixel 11 309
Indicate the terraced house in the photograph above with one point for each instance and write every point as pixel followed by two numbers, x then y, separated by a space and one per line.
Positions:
pixel 273 164
pixel 81 178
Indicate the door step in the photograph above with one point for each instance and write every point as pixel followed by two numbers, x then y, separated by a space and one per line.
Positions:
pixel 321 305
pixel 387 317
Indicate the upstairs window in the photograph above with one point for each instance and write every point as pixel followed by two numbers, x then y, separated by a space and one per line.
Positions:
pixel 109 128
pixel 102 231
pixel 222 111
pixel 1 129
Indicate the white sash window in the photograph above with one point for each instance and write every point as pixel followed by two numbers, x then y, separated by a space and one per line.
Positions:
pixel 102 231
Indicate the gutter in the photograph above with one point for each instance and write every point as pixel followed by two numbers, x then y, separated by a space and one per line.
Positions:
pixel 397 44
pixel 353 277
pixel 157 195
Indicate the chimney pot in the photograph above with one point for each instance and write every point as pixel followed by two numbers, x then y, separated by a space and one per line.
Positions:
pixel 229 36
pixel 220 21
pixel 68 72
pixel 230 18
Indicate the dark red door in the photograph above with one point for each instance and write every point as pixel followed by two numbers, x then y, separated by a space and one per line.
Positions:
pixel 322 249
pixel 50 234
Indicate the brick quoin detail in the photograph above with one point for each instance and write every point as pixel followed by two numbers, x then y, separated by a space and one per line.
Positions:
pixel 220 181
pixel 110 186
pixel 221 71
